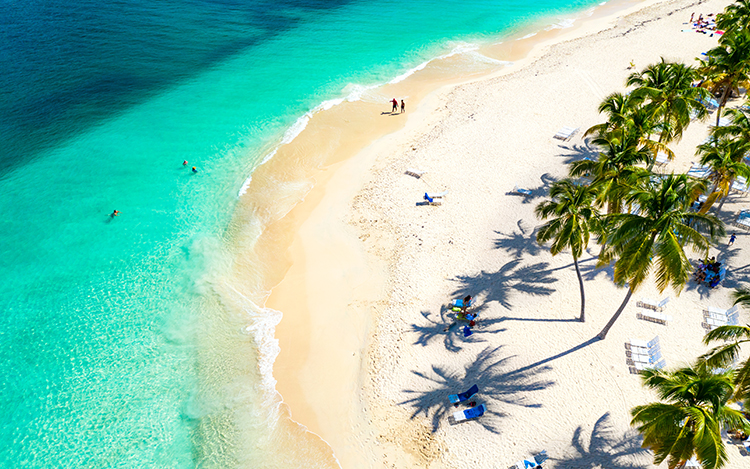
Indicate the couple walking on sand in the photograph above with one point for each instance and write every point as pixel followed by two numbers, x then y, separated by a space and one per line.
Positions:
pixel 395 105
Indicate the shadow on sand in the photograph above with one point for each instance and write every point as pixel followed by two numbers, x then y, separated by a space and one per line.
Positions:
pixel 496 387
pixel 606 448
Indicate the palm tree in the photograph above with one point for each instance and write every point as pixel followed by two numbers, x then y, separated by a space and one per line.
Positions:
pixel 724 355
pixel 628 119
pixel 728 66
pixel 724 157
pixel 670 97
pixel 571 206
pixel 689 423
pixel 738 127
pixel 614 167
pixel 656 236
pixel 735 17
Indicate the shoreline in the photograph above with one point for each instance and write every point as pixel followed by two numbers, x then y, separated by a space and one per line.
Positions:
pixel 338 175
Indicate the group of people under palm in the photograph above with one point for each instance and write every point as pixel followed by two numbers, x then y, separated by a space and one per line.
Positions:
pixel 643 222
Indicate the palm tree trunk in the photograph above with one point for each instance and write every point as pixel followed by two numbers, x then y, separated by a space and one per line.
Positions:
pixel 611 322
pixel 583 297
pixel 722 102
pixel 721 204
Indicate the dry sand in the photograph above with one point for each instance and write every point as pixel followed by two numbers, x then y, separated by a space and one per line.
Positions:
pixel 365 362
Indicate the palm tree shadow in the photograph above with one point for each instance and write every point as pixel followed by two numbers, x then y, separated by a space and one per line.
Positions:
pixel 518 243
pixel 607 448
pixel 542 190
pixel 496 286
pixel 578 152
pixel 496 387
pixel 592 271
pixel 445 327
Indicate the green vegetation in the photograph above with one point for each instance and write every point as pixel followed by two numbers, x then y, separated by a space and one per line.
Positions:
pixel 644 222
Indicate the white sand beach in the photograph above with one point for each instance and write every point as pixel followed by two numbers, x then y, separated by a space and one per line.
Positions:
pixel 365 362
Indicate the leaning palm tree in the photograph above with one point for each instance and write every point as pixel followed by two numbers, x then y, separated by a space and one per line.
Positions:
pixel 690 422
pixel 670 97
pixel 573 217
pixel 724 157
pixel 724 355
pixel 655 236
pixel 728 67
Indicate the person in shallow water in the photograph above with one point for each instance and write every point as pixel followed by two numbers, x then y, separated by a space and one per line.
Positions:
pixel 184 163
pixel 195 170
pixel 114 214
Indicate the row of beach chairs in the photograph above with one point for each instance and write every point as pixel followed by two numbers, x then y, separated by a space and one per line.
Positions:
pixel 715 317
pixel 642 355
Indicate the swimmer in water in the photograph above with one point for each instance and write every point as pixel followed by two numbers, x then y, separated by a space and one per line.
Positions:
pixel 184 163
pixel 115 213
pixel 195 170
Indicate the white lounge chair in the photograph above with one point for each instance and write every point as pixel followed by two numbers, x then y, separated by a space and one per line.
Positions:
pixel 724 121
pixel 740 185
pixel 436 195
pixel 415 172
pixel 519 191
pixel 743 219
pixel 653 304
pixel 653 316
pixel 566 133
pixel 661 158
pixel 698 171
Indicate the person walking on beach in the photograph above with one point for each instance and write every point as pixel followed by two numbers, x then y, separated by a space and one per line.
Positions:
pixel 732 238
pixel 395 105
pixel 403 106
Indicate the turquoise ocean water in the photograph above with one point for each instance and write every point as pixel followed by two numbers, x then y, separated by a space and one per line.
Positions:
pixel 108 328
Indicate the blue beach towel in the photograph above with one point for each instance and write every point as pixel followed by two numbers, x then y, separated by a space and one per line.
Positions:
pixel 467 331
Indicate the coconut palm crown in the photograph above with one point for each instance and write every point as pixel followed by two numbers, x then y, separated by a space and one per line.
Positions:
pixel 689 423
pixel 724 355
pixel 654 236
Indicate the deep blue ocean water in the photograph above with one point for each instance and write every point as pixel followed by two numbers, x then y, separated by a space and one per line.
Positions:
pixel 99 105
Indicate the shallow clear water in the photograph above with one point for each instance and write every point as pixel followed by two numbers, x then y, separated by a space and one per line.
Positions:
pixel 108 324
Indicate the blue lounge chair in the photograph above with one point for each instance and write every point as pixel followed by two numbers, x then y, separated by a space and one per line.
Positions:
pixel 460 303
pixel 464 396
pixel 469 414
pixel 519 191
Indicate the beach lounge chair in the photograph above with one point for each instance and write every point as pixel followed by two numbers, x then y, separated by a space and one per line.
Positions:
pixel 653 316
pixel 661 158
pixel 698 171
pixel 743 219
pixel 464 396
pixel 415 172
pixel 468 414
pixel 524 192
pixel 459 303
pixel 537 460
pixel 435 195
pixel 653 304
pixel 429 200
pixel 740 185
pixel 724 121
pixel 746 444
pixel 566 133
